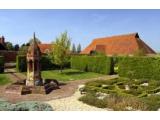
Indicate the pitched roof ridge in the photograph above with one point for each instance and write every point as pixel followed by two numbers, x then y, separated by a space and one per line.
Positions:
pixel 121 35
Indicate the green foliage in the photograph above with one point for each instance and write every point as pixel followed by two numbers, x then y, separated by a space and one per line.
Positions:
pixel 69 75
pixel 73 48
pixel 4 79
pixel 153 102
pixel 92 100
pixel 46 64
pixel 116 61
pixel 79 48
pixel 61 50
pixel 23 50
pixel 25 106
pixel 138 97
pixel 97 53
pixel 21 63
pixel 140 67
pixel 16 47
pixel 98 64
pixel 115 102
pixel 1 64
pixel 9 46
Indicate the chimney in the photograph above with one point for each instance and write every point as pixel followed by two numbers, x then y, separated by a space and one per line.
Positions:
pixel 2 39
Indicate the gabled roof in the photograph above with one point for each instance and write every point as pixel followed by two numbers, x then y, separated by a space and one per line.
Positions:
pixel 44 48
pixel 121 45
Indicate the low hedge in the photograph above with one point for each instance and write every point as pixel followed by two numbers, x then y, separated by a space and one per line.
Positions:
pixel 1 64
pixel 98 64
pixel 140 67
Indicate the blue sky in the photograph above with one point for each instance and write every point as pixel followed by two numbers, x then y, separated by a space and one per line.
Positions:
pixel 82 25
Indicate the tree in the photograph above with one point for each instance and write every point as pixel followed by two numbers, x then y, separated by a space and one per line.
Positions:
pixel 79 48
pixel 73 48
pixel 61 50
pixel 16 47
pixel 23 49
pixel 9 46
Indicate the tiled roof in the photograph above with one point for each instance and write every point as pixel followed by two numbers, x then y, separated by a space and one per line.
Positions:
pixel 120 45
pixel 44 48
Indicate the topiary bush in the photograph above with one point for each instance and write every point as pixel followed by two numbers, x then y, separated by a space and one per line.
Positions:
pixel 140 67
pixel 1 64
pixel 98 64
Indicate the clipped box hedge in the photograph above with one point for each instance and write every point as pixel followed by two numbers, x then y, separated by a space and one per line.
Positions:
pixel 98 64
pixel 140 67
pixel 116 61
pixel 1 64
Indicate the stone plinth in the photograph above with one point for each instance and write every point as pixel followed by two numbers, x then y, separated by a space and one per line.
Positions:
pixel 14 89
pixel 20 88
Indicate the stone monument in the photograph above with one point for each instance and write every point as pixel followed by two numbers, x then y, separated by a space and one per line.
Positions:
pixel 33 65
pixel 33 84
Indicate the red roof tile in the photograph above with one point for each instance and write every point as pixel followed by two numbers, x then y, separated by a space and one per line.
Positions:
pixel 44 48
pixel 119 45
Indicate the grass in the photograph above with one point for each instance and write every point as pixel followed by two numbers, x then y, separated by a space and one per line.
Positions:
pixel 138 97
pixel 68 75
pixel 4 79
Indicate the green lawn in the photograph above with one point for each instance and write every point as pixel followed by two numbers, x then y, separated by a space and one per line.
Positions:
pixel 4 79
pixel 68 74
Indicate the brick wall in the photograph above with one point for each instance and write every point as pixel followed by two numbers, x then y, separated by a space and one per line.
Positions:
pixel 9 56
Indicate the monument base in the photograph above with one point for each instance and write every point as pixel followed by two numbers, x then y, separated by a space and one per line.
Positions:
pixel 20 88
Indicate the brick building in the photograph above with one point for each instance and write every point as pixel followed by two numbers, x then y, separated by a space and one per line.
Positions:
pixel 126 44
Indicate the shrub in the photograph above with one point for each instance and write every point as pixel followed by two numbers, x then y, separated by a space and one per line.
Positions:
pixel 116 61
pixel 46 64
pixel 32 106
pixel 121 103
pixel 98 64
pixel 138 97
pixel 21 64
pixel 24 106
pixel 153 102
pixel 140 67
pixel 92 100
pixel 115 102
pixel 1 64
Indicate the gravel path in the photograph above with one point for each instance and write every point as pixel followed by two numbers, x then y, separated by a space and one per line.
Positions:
pixel 72 104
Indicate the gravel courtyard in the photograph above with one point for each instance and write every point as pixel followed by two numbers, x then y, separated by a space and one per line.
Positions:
pixel 72 104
